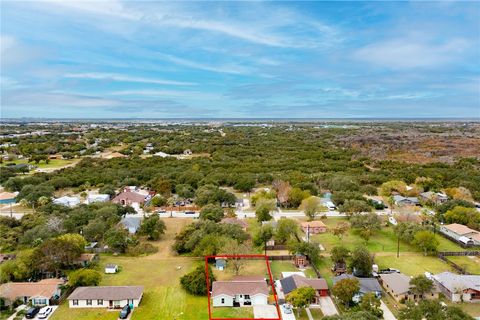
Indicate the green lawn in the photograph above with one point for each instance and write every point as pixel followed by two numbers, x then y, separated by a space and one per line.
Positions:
pixel 384 240
pixel 316 314
pixel 227 312
pixel 412 264
pixel 159 274
pixel 471 264
pixel 277 267
pixel 54 163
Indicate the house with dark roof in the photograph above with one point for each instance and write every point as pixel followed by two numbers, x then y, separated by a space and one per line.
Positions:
pixel 405 201
pixel 105 297
pixel 240 291
pixel 296 281
pixel 367 285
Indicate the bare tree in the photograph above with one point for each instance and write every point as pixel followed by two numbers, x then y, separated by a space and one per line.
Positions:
pixel 235 249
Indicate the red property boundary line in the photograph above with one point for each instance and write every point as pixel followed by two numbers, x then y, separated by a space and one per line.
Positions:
pixel 246 256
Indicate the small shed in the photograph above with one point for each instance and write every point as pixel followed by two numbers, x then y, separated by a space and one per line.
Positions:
pixel 300 260
pixel 220 263
pixel 111 268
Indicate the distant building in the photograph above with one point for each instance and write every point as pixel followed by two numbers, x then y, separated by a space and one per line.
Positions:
pixel 7 197
pixel 236 221
pixel 314 227
pixel 132 196
pixel 436 197
pixel 461 233
pixel 67 201
pixel 220 263
pixel 240 291
pixel 92 198
pixel 405 201
pixel 300 260
pixel 131 223
pixel 459 288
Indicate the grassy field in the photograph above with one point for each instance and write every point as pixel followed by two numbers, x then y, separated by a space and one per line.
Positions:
pixel 226 312
pixel 384 240
pixel 159 273
pixel 471 264
pixel 52 164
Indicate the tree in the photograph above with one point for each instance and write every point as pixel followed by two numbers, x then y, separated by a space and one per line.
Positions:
pixel 286 229
pixel 432 309
pixel 371 304
pixel 283 190
pixel 117 239
pixel 162 186
pixel 460 193
pixel 296 196
pixel 345 289
pixel 426 241
pixel 233 248
pixel 339 254
pixel 353 206
pixel 152 227
pixel 195 282
pixel 263 209
pixel 406 230
pixel 301 297
pixel 367 224
pixel 263 235
pixel 392 185
pixel 421 285
pixel 311 206
pixel 158 201
pixel 309 249
pixel 341 229
pixel 212 212
pixel 463 215
pixel 84 278
pixel 244 184
pixel 54 254
pixel 361 262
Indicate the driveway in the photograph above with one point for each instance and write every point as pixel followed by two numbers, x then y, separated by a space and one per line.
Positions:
pixel 387 314
pixel 265 312
pixel 290 316
pixel 327 306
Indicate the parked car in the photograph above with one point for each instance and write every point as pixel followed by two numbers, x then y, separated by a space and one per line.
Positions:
pixel 32 312
pixel 389 270
pixel 189 212
pixel 45 312
pixel 125 312
pixel 287 309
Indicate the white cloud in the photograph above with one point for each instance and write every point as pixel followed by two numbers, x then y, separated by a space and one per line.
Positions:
pixel 406 53
pixel 123 78
pixel 229 68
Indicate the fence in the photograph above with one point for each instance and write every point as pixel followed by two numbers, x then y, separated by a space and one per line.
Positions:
pixel 280 258
pixel 277 247
pixel 459 253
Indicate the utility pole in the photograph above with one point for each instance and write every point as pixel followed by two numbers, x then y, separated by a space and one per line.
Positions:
pixel 398 245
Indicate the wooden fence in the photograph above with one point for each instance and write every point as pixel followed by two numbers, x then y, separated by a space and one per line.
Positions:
pixel 459 253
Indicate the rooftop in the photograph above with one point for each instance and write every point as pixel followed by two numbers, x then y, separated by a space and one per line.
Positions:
pixel 250 285
pixel 107 293
pixel 43 288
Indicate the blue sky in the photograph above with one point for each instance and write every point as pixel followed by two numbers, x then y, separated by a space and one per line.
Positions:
pixel 132 59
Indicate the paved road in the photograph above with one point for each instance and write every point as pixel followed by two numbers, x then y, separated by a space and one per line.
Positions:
pixel 387 314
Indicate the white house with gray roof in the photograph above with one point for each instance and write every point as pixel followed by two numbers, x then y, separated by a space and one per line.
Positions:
pixel 105 297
